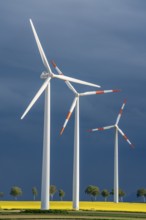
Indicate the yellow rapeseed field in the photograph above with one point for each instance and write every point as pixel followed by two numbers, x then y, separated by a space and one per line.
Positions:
pixel 100 206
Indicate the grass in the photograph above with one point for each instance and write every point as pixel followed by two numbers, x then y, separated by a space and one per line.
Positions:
pixel 68 215
pixel 63 205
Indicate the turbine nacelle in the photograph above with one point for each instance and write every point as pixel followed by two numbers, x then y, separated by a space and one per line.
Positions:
pixel 44 75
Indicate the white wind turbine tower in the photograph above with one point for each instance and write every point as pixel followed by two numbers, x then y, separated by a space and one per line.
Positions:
pixel 116 166
pixel 48 75
pixel 76 160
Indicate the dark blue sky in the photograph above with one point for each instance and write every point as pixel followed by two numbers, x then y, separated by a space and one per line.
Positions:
pixel 103 42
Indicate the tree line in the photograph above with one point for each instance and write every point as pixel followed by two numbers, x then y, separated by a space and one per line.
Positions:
pixel 16 191
pixel 92 191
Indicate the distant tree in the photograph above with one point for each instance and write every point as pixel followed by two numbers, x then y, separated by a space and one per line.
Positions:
pixel 95 192
pixel 92 191
pixel 1 195
pixel 142 193
pixel 15 192
pixel 53 190
pixel 34 192
pixel 88 191
pixel 121 194
pixel 61 194
pixel 105 193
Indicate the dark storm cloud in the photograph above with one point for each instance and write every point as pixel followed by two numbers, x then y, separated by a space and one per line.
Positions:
pixel 97 41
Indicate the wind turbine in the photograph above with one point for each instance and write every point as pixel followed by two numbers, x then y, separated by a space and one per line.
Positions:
pixel 116 166
pixel 46 141
pixel 75 105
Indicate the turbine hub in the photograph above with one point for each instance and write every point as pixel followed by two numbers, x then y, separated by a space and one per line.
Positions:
pixel 116 126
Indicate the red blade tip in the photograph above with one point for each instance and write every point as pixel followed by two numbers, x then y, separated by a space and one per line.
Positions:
pixel 61 131
pixel 53 63
pixel 116 90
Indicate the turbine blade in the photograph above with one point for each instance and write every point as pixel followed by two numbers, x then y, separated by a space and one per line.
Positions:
pixel 67 78
pixel 57 69
pixel 43 87
pixel 120 113
pixel 42 53
pixel 69 114
pixel 125 137
pixel 99 92
pixel 101 129
pixel 70 86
